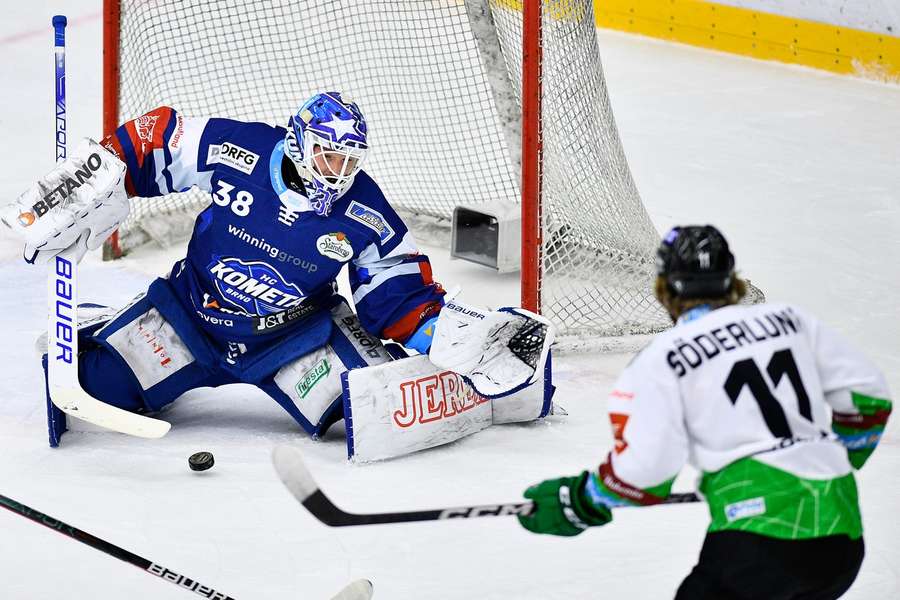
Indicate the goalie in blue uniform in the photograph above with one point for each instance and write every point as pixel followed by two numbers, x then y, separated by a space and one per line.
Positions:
pixel 254 300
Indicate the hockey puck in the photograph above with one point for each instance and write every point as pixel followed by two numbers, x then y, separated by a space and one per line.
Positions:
pixel 201 461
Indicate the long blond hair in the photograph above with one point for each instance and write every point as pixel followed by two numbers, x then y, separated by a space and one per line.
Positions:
pixel 676 306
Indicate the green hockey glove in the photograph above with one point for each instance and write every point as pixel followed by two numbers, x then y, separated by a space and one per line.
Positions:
pixel 561 507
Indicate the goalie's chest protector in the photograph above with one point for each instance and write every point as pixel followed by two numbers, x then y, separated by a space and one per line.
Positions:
pixel 257 250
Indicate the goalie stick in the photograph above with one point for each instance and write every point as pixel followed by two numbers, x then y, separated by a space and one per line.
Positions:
pixel 63 388
pixel 299 481
pixel 361 589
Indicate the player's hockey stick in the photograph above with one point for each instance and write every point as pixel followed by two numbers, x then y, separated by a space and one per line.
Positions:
pixel 62 340
pixel 299 481
pixel 361 589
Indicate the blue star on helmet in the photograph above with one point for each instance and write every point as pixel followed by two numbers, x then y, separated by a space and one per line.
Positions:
pixel 342 128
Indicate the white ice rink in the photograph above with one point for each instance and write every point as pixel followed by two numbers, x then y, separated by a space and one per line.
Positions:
pixel 799 168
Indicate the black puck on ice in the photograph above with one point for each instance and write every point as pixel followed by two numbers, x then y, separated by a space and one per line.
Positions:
pixel 201 461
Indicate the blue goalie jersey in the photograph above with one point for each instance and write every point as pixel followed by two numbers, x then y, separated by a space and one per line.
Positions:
pixel 260 258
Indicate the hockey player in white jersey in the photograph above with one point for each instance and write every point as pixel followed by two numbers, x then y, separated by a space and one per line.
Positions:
pixel 773 408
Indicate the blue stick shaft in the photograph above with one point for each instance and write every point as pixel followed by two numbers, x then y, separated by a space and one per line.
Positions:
pixel 62 365
pixel 59 35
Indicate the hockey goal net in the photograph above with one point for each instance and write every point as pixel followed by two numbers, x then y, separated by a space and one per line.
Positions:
pixel 441 84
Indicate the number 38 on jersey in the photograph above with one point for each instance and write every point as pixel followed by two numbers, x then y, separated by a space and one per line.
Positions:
pixel 239 200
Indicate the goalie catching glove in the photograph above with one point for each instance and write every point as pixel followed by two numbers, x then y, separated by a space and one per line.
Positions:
pixel 497 352
pixel 80 202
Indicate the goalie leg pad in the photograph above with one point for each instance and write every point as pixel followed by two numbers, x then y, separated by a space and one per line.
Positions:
pixel 309 387
pixel 153 344
pixel 408 405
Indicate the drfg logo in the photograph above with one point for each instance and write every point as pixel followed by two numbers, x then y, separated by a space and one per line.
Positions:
pixel 237 158
pixel 364 342
pixel 433 398
pixel 61 192
pixel 64 310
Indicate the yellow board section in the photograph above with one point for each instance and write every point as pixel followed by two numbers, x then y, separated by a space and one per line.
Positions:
pixel 757 34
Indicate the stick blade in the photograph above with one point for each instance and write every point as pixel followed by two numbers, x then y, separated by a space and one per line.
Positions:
pixel 361 589
pixel 79 404
pixel 292 471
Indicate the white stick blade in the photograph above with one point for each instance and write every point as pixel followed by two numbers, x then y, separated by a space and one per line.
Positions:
pixel 76 402
pixel 292 470
pixel 361 589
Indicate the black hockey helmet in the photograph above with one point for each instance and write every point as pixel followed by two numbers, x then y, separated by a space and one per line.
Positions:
pixel 695 262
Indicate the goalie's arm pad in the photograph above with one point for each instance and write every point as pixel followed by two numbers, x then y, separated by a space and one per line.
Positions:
pixel 166 152
pixel 392 285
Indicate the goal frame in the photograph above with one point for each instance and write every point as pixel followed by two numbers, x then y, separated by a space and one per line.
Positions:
pixel 530 182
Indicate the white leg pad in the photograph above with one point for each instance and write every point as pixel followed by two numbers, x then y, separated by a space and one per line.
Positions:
pixel 408 405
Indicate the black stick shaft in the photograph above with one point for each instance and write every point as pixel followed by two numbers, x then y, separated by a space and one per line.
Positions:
pixel 326 511
pixel 84 537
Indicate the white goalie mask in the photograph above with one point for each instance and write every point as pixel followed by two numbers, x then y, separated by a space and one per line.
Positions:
pixel 331 164
pixel 328 141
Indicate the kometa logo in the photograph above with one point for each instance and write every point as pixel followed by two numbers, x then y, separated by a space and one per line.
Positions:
pixel 255 287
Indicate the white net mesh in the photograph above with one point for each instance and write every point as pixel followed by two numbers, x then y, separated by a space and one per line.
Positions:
pixel 439 86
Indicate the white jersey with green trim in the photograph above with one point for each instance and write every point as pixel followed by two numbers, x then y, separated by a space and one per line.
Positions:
pixel 736 382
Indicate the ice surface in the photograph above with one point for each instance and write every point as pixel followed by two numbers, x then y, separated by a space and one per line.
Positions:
pixel 799 168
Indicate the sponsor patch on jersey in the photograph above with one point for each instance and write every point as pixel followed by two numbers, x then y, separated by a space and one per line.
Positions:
pixel 372 219
pixel 235 157
pixel 280 320
pixel 335 246
pixel 213 320
pixel 178 133
pixel 255 287
pixel 745 508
